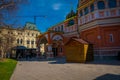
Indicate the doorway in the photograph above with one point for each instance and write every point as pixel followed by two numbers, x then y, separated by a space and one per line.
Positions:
pixel 55 52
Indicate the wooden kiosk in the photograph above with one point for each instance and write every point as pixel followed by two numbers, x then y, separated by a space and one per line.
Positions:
pixel 78 50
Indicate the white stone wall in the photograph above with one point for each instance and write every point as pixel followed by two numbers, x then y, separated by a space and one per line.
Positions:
pixel 22 35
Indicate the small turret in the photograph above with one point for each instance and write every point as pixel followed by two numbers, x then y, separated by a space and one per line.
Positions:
pixel 71 14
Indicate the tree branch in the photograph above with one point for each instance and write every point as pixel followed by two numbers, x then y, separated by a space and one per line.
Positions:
pixel 5 4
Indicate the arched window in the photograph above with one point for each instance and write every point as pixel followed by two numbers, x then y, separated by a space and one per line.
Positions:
pixel 18 41
pixel 71 22
pixel 21 41
pixel 32 34
pixel 81 13
pixel 86 10
pixel 101 5
pixel 91 7
pixel 111 39
pixel 32 42
pixel 28 42
pixel 112 3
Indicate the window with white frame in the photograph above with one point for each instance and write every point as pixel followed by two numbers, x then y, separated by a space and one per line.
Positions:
pixel 111 38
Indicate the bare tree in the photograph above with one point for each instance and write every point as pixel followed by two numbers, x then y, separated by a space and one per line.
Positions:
pixel 7 41
pixel 9 7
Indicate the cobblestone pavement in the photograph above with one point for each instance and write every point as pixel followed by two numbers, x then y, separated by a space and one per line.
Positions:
pixel 60 70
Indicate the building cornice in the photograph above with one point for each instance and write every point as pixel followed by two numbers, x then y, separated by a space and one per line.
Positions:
pixel 70 18
pixel 86 4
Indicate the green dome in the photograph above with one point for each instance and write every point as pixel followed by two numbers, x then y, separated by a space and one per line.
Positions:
pixel 30 26
pixel 71 14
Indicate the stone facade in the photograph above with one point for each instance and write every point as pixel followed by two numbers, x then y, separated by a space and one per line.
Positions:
pixel 25 36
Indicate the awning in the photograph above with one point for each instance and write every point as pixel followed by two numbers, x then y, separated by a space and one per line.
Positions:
pixel 20 47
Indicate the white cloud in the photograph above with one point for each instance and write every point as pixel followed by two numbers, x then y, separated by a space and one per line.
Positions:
pixel 57 6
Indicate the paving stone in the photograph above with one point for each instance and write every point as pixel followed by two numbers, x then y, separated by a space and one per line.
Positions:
pixel 51 70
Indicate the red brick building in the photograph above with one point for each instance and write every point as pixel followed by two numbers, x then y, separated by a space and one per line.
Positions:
pixel 97 22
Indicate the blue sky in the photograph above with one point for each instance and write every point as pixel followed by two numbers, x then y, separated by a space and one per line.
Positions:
pixel 54 10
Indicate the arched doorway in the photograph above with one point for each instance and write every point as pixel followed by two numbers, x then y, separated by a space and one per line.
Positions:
pixel 50 45
pixel 57 45
pixel 42 46
pixel 55 49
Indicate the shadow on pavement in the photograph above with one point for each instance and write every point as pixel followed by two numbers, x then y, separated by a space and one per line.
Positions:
pixel 62 60
pixel 58 61
pixel 108 77
pixel 98 62
pixel 105 62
